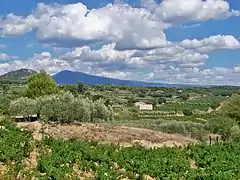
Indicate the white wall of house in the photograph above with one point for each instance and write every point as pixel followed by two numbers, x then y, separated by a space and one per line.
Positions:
pixel 144 106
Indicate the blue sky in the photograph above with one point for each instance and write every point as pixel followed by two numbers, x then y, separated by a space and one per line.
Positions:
pixel 174 41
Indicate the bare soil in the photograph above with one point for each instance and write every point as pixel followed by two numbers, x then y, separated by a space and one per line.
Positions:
pixel 124 136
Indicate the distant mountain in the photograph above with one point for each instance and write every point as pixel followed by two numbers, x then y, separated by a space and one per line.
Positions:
pixel 21 74
pixel 69 77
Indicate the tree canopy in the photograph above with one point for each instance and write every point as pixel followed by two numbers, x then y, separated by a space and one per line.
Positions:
pixel 40 84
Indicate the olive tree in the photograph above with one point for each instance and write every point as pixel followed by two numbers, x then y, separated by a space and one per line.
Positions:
pixel 50 108
pixel 63 107
pixel 81 110
pixel 23 107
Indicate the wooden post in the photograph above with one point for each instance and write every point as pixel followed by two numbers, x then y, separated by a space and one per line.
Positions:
pixel 210 139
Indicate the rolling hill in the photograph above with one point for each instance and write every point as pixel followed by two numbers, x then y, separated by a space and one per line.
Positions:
pixel 21 74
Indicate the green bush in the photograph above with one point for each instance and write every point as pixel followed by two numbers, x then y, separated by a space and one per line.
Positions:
pixel 173 128
pixel 235 134
pixel 178 127
pixel 81 110
pixel 231 107
pixel 199 133
pixel 215 105
pixel 221 125
pixel 52 109
pixel 63 107
pixel 102 111
pixel 187 112
pixel 23 107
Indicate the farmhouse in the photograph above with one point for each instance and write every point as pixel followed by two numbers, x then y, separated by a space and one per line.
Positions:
pixel 144 106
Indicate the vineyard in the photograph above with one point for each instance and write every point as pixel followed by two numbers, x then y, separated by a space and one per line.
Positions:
pixel 74 159
pixel 180 107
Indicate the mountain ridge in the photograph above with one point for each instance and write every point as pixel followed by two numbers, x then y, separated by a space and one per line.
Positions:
pixel 73 77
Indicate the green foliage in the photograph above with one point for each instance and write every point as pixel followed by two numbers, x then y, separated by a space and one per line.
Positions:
pixel 131 113
pixel 14 144
pixel 223 93
pixel 41 84
pixel 187 112
pixel 162 100
pixel 81 87
pixel 23 107
pixel 102 111
pixel 52 109
pixel 215 105
pixel 105 161
pixel 178 127
pixel 131 101
pixel 231 107
pixel 97 97
pixel 220 161
pixel 184 97
pixel 179 107
pixel 221 125
pixel 108 102
pixel 5 100
pixel 62 107
pixel 235 133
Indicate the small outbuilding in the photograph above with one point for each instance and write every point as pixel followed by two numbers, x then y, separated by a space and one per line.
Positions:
pixel 144 106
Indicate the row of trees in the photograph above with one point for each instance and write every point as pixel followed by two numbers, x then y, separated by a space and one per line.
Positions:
pixel 42 96
pixel 62 107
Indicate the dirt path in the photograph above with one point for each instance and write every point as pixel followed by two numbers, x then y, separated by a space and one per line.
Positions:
pixel 124 136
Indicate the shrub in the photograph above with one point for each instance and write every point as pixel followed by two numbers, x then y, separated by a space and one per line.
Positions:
pixel 231 108
pixel 215 105
pixel 102 111
pixel 63 107
pixel 187 112
pixel 235 134
pixel 173 128
pixel 162 100
pixel 199 133
pixel 51 108
pixel 179 127
pixel 221 125
pixel 4 103
pixel 81 110
pixel 23 107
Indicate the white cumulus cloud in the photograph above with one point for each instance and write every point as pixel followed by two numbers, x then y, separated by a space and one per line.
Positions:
pixel 178 11
pixel 13 25
pixel 212 43
pixel 74 25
